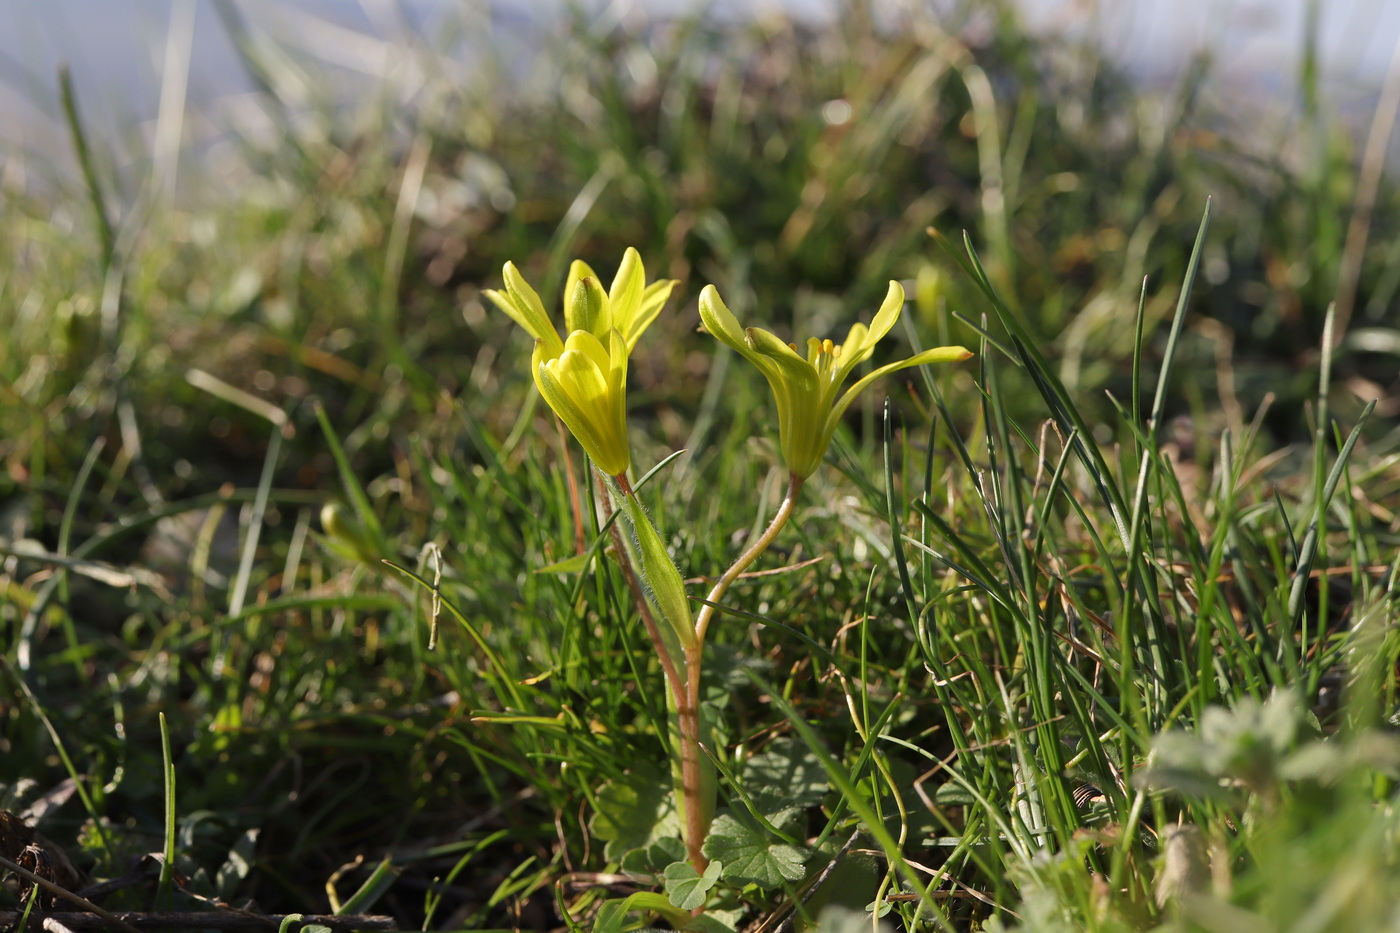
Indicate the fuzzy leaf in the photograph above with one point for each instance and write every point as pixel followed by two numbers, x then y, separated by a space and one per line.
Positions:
pixel 686 887
pixel 784 775
pixel 660 573
pixel 634 813
pixel 749 856
pixel 651 859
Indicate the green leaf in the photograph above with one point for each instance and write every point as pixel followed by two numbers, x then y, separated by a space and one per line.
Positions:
pixel 612 914
pixel 784 776
pixel 660 573
pixel 652 858
pixel 634 813
pixel 376 885
pixel 575 564
pixel 716 921
pixel 686 887
pixel 240 861
pixel 611 917
pixel 749 856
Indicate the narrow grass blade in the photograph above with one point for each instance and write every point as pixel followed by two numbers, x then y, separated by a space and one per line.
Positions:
pixel 164 884
pixel 102 220
pixel 369 893
pixel 254 530
pixel 351 482
pixel 855 799
pixel 1307 552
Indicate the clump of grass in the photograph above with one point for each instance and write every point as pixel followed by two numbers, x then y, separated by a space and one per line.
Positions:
pixel 1001 589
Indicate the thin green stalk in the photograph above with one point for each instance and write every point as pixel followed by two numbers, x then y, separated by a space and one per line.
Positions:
pixel 167 862
pixel 707 612
pixel 83 151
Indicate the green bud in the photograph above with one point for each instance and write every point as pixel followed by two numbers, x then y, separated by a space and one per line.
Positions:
pixel 346 535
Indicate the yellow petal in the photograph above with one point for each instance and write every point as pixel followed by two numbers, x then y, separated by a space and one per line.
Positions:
pixel 625 296
pixel 936 355
pixel 721 322
pixel 578 270
pixel 581 341
pixel 653 299
pixel 523 305
pixel 889 312
pixel 586 307
pixel 577 389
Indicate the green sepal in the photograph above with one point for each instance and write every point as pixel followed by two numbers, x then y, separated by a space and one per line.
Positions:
pixel 612 914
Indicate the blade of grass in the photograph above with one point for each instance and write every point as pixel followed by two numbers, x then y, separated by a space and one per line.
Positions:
pixel 165 883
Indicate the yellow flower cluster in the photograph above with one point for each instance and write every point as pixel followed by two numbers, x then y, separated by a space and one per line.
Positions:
pixel 583 377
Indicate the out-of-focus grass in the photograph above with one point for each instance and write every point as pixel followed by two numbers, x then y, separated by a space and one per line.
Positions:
pixel 1115 577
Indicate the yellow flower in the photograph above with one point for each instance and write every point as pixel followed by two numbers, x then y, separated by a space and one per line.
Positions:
pixel 629 306
pixel 584 376
pixel 586 385
pixel 806 389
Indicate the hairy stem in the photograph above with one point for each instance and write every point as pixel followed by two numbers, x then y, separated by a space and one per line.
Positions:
pixel 687 709
pixel 686 691
pixel 668 665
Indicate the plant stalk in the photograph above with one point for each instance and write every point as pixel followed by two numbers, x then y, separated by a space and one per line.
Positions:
pixel 685 691
pixel 629 574
pixel 687 714
pixel 722 585
pixel 688 711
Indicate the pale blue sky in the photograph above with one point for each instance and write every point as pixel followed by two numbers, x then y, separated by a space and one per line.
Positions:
pixel 117 48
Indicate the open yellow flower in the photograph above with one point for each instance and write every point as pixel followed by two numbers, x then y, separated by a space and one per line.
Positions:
pixel 805 390
pixel 629 306
pixel 584 377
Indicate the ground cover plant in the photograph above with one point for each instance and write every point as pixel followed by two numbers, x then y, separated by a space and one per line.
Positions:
pixel 307 594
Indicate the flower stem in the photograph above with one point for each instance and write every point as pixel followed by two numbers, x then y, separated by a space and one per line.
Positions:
pixel 686 703
pixel 685 691
pixel 707 612
pixel 688 710
pixel 668 665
